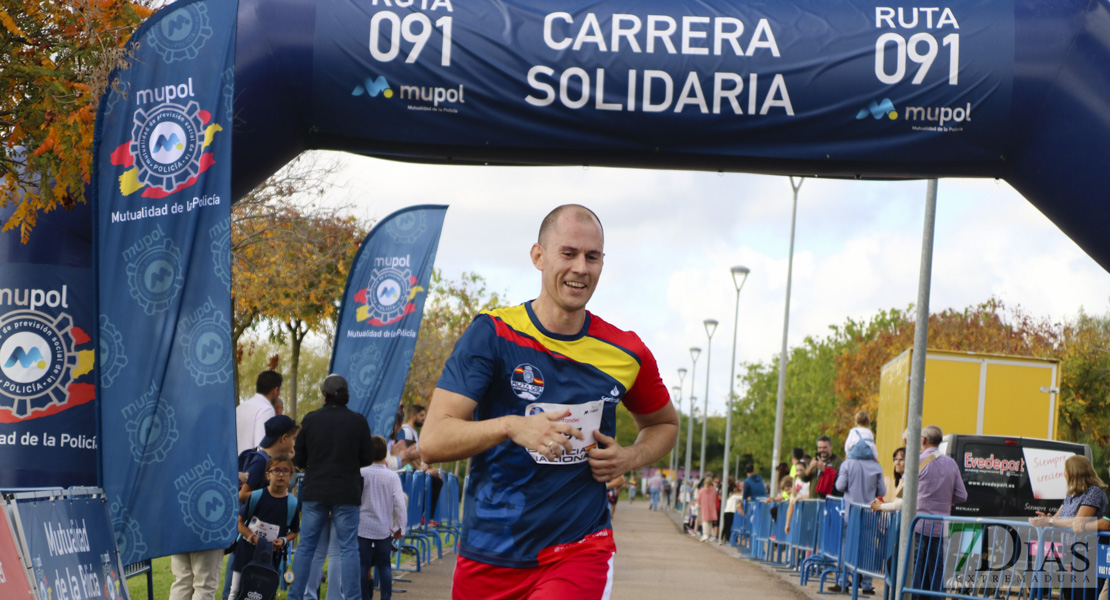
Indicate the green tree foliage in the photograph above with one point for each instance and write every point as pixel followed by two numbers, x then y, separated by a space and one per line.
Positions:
pixel 450 307
pixel 829 379
pixel 290 259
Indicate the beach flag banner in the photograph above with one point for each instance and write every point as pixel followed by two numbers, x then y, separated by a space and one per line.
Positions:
pixel 382 307
pixel 162 209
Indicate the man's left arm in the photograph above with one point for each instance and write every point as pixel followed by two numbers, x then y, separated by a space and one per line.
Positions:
pixel 658 432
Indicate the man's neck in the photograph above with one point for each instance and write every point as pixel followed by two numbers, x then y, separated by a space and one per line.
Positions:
pixel 556 320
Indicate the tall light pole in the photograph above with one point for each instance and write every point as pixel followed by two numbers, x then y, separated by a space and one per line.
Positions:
pixel 782 356
pixel 694 352
pixel 739 275
pixel 678 439
pixel 710 327
pixel 676 398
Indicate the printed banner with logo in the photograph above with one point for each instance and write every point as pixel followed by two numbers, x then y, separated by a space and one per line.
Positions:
pixel 72 549
pixel 47 323
pixel 162 208
pixel 382 307
pixel 797 80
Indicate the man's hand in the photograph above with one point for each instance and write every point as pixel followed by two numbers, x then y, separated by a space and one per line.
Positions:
pixel 541 432
pixel 612 461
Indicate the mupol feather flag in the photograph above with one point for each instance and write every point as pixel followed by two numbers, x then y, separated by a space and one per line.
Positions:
pixel 382 308
pixel 162 237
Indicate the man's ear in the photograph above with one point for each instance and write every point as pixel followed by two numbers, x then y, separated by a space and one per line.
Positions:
pixel 537 255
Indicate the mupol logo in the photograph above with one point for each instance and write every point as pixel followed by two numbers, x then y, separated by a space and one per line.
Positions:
pixel 26 358
pixel 940 115
pixel 878 110
pixel 373 87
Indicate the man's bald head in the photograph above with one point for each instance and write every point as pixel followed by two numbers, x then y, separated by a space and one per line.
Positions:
pixel 576 211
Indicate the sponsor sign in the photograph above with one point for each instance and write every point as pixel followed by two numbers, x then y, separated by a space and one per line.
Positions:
pixel 381 311
pixel 162 211
pixel 777 80
pixel 48 431
pixel 72 549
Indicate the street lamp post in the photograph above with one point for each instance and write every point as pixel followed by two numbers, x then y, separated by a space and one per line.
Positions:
pixel 694 352
pixel 710 327
pixel 676 398
pixel 739 275
pixel 678 440
pixel 781 397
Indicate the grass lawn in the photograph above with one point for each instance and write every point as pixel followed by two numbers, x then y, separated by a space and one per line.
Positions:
pixel 163 578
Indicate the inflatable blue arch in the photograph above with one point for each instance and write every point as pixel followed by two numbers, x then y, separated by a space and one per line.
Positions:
pixel 220 94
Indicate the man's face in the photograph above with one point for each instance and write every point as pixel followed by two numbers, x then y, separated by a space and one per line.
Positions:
pixel 418 419
pixel 824 448
pixel 571 258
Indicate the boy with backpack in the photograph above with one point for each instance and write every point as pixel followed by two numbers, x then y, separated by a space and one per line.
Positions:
pixel 270 514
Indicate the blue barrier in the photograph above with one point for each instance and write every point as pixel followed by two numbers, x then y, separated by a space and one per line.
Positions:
pixel 830 536
pixel 871 549
pixel 779 540
pixel 761 530
pixel 742 527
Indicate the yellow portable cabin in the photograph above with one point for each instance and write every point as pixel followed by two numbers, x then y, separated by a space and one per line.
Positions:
pixel 969 393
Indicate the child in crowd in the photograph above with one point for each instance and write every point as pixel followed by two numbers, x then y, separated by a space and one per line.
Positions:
pixel 382 519
pixel 267 517
pixel 861 433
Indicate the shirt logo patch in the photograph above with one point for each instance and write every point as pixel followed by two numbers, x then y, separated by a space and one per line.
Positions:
pixel 613 397
pixel 527 382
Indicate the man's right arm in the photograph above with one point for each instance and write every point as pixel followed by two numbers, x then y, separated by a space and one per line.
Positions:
pixel 450 433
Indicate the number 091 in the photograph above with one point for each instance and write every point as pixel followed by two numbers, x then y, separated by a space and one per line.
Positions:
pixel 415 28
pixel 911 49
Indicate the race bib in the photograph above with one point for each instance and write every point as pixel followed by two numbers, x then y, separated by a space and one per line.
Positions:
pixel 586 417
pixel 263 529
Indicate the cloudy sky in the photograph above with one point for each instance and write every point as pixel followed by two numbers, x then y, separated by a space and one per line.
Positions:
pixel 672 236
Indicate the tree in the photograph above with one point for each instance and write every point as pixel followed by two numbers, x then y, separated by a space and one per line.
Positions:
pixel 56 58
pixel 448 311
pixel 300 267
pixel 1084 351
pixel 276 234
pixel 988 327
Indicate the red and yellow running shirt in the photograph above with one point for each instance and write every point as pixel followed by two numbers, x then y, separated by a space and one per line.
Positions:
pixel 519 505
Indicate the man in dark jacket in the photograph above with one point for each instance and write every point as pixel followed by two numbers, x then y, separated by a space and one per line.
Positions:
pixel 334 443
pixel 753 485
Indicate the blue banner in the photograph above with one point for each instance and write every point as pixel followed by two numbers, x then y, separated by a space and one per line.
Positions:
pixel 382 307
pixel 162 209
pixel 72 549
pixel 47 320
pixel 797 80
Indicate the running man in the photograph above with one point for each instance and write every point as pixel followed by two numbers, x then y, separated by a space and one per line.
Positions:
pixel 531 393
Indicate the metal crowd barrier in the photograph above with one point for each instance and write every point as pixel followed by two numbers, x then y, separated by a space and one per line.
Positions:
pixel 826 560
pixel 779 540
pixel 871 546
pixel 741 535
pixel 761 530
pixel 803 530
pixel 978 559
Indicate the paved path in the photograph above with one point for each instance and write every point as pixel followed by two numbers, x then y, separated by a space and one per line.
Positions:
pixel 655 560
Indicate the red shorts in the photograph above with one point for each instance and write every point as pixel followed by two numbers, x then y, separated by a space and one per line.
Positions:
pixel 582 569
